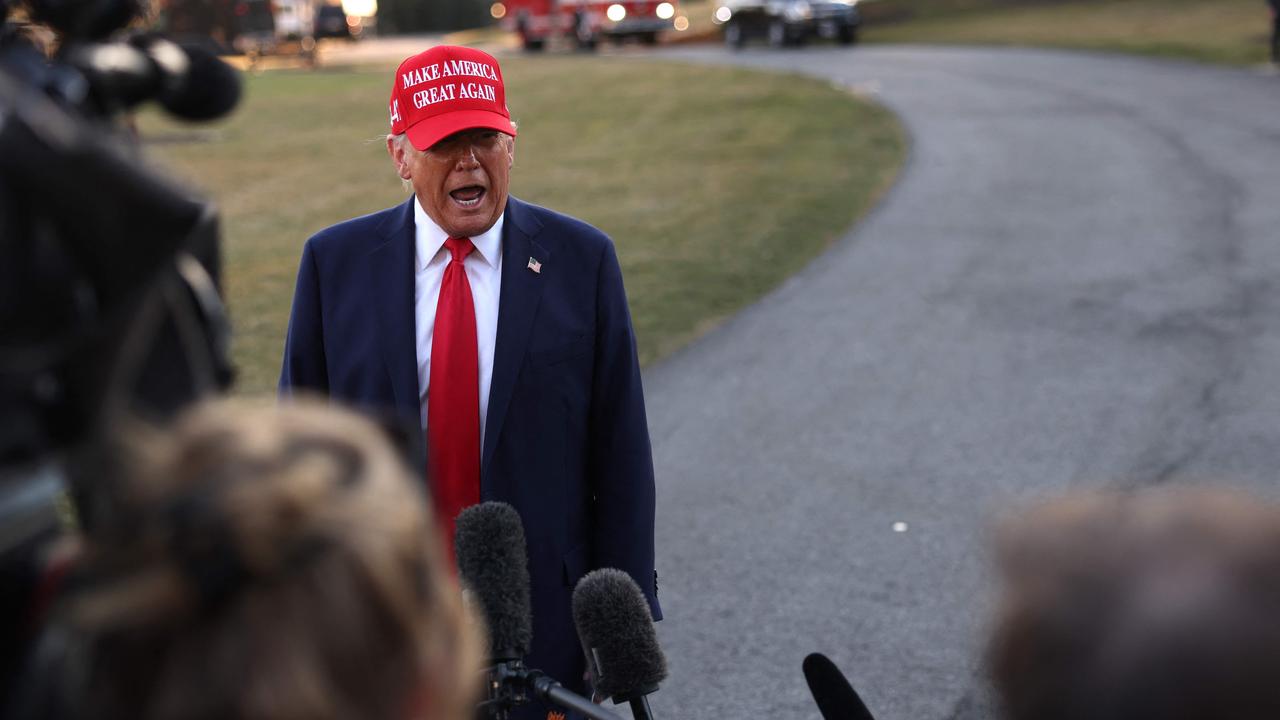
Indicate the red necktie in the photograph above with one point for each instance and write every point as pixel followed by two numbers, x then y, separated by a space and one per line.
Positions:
pixel 453 396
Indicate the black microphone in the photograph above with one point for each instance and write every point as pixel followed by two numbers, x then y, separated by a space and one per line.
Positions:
pixel 187 80
pixel 836 698
pixel 490 547
pixel 616 629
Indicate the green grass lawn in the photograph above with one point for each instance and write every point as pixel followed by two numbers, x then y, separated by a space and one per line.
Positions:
pixel 715 183
pixel 1223 31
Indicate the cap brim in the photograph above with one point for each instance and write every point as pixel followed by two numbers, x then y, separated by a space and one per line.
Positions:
pixel 432 130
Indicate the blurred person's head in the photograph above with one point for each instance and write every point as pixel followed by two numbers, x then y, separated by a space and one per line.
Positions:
pixel 452 138
pixel 282 565
pixel 1161 605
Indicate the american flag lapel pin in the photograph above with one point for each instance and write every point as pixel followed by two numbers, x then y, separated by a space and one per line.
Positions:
pixel 535 266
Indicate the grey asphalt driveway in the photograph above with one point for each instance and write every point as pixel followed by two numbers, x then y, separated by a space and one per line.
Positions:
pixel 1073 285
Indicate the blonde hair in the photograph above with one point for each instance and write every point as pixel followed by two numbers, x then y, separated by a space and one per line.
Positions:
pixel 283 565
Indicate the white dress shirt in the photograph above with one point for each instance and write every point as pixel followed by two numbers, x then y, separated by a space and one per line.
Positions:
pixel 484 273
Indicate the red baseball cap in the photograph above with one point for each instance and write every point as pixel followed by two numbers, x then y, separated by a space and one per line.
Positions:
pixel 447 89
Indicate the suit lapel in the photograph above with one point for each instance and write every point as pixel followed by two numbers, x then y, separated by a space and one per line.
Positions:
pixel 391 282
pixel 517 307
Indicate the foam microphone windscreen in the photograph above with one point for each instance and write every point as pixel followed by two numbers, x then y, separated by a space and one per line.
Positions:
pixel 207 90
pixel 836 698
pixel 616 629
pixel 494 565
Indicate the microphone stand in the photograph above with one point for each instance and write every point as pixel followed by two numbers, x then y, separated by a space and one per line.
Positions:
pixel 639 702
pixel 640 708
pixel 510 683
pixel 549 689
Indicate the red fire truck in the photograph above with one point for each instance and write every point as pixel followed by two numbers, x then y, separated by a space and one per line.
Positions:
pixel 584 23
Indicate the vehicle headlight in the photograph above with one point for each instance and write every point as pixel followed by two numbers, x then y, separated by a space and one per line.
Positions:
pixel 665 11
pixel 616 12
pixel 723 14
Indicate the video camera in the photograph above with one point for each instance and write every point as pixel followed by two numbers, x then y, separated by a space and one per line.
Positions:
pixel 110 306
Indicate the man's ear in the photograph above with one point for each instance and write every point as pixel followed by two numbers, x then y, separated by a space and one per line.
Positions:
pixel 511 151
pixel 397 153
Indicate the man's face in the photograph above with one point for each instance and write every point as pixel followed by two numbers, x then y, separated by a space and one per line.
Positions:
pixel 462 180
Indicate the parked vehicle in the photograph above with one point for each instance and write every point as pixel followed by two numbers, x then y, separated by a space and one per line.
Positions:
pixel 788 22
pixel 250 27
pixel 585 23
pixel 295 19
pixel 223 25
pixel 256 26
pixel 333 22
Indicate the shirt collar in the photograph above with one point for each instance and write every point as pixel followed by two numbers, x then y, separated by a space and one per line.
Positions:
pixel 429 239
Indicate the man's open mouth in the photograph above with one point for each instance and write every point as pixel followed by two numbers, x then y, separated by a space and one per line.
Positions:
pixel 469 196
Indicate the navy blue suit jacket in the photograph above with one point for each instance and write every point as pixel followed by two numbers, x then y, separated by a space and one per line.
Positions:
pixel 566 440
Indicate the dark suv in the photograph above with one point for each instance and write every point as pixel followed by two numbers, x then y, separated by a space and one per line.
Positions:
pixel 788 22
pixel 331 22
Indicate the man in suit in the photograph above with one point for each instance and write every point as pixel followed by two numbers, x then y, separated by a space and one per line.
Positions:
pixel 503 329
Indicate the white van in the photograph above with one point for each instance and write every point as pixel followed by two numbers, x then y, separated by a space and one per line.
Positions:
pixel 295 19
